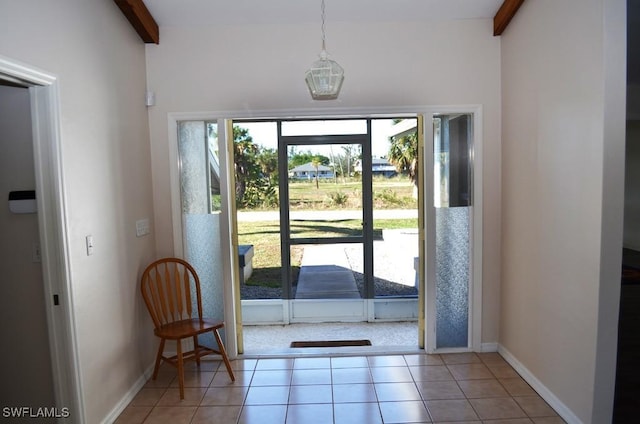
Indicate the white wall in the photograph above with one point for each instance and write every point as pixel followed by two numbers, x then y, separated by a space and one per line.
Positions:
pixel 100 63
pixel 26 364
pixel 563 158
pixel 260 68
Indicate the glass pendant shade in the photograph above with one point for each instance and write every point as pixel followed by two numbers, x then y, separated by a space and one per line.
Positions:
pixel 324 78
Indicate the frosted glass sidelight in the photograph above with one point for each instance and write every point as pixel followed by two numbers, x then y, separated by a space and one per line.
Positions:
pixel 200 228
pixel 193 167
pixel 202 249
pixel 452 277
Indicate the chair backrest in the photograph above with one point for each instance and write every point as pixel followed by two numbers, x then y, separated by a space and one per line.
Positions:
pixel 168 286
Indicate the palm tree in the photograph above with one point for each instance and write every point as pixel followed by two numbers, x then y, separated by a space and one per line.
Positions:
pixel 403 153
pixel 316 164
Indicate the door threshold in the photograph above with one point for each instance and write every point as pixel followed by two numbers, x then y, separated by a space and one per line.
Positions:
pixel 331 351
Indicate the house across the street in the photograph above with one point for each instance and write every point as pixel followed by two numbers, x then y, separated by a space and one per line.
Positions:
pixel 379 166
pixel 308 171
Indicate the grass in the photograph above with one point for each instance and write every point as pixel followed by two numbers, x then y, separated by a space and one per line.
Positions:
pixel 388 193
pixel 265 238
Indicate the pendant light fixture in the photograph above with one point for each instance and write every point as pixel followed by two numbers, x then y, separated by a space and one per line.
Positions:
pixel 325 76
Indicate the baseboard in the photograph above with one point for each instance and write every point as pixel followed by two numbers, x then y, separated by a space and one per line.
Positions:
pixel 540 388
pixel 489 347
pixel 128 397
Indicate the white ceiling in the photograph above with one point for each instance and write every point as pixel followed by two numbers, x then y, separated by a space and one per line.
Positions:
pixel 207 12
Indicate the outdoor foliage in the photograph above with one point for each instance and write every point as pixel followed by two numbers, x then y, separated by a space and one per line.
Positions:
pixel 403 153
pixel 390 198
pixel 255 170
pixel 338 198
pixel 268 161
pixel 297 159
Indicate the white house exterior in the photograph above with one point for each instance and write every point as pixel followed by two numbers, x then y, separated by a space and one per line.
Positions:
pixel 308 171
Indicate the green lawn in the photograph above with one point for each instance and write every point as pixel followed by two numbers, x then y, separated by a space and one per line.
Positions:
pixel 388 193
pixel 265 238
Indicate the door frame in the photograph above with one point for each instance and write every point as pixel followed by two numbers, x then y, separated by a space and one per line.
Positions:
pixel 53 228
pixel 231 303
pixel 366 238
pixel 475 280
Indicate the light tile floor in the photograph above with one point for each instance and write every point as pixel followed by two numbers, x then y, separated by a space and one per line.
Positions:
pixel 416 388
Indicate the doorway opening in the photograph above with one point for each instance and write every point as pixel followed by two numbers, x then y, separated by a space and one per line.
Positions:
pixel 334 238
pixel 334 223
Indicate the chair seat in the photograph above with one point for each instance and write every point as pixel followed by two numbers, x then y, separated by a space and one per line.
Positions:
pixel 187 328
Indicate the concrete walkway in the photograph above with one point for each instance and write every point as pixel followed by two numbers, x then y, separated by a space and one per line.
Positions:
pixel 325 273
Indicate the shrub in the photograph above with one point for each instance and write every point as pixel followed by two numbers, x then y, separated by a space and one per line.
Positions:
pixel 338 198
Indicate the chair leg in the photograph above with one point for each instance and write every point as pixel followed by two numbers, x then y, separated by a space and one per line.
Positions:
pixel 180 361
pixel 158 359
pixel 223 352
pixel 196 350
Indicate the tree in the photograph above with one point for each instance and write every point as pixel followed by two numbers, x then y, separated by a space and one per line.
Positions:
pixel 297 159
pixel 268 161
pixel 350 152
pixel 403 153
pixel 316 164
pixel 256 172
pixel 244 160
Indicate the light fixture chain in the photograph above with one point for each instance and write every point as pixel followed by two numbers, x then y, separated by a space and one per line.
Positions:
pixel 322 13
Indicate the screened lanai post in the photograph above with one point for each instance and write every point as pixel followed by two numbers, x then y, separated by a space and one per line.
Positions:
pixel 285 229
pixel 367 215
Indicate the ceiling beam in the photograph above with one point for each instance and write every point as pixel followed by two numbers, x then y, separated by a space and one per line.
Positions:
pixel 504 15
pixel 141 19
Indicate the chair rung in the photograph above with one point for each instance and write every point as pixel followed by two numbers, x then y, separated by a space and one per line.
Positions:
pixel 191 355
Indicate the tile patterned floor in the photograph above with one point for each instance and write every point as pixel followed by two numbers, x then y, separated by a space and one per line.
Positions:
pixel 461 388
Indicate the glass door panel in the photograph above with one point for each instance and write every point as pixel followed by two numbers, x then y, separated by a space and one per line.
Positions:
pixel 324 127
pixel 395 207
pixel 325 201
pixel 256 194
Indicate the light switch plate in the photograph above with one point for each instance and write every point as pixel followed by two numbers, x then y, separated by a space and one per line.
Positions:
pixel 36 256
pixel 142 227
pixel 89 240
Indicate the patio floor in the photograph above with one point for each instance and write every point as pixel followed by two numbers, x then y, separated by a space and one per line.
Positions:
pixel 384 337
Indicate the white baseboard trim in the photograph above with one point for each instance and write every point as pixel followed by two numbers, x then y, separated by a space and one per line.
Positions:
pixel 128 397
pixel 489 347
pixel 540 388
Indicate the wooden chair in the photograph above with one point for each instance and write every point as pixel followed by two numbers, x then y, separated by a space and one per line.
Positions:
pixel 168 286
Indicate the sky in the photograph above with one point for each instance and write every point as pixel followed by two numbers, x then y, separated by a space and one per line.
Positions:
pixel 265 133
